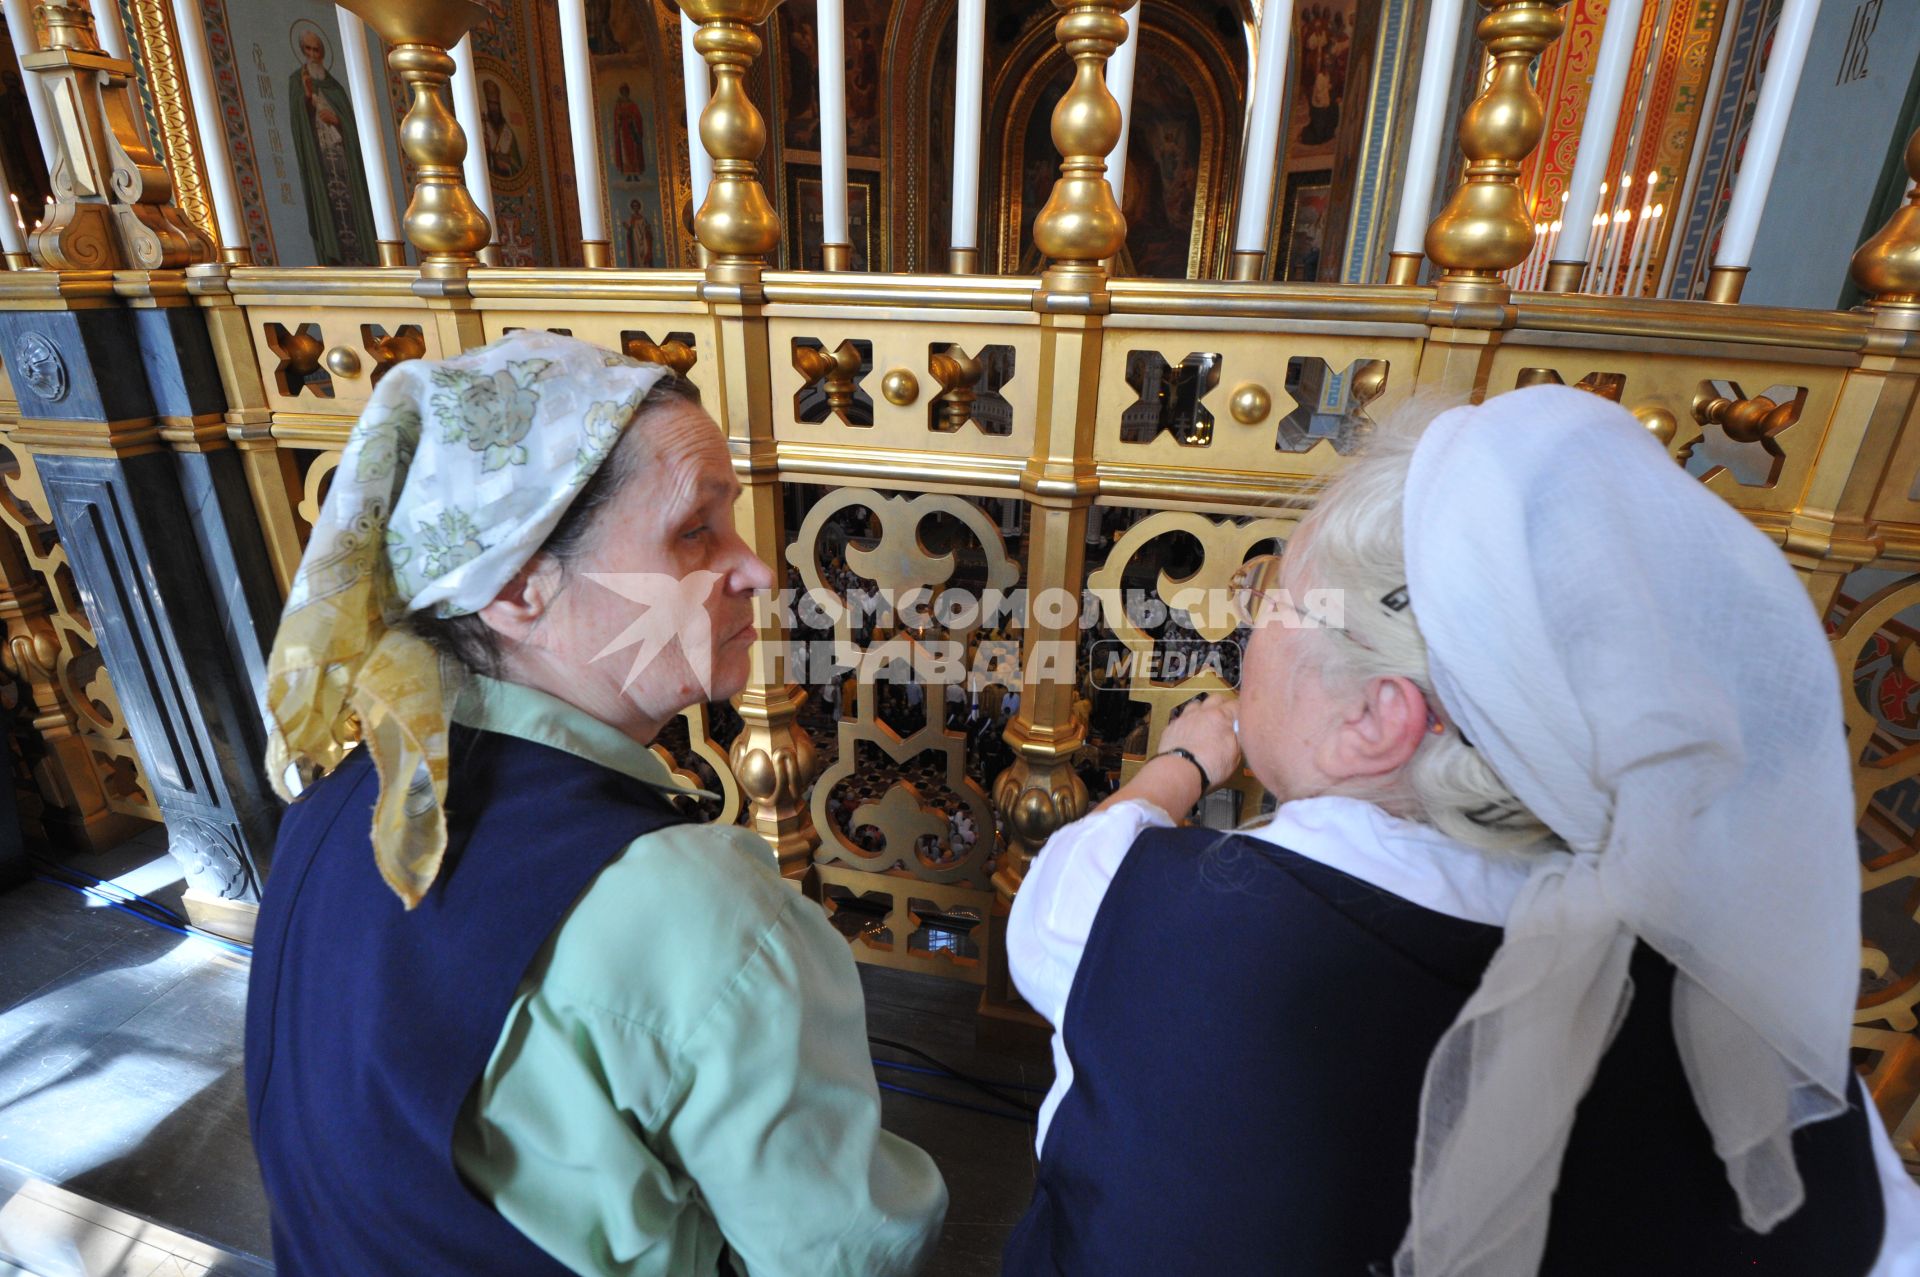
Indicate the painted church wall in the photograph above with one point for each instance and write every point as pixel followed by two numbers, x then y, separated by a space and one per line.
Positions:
pixel 1844 119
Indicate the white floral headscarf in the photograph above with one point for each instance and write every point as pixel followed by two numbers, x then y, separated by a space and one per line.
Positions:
pixel 453 477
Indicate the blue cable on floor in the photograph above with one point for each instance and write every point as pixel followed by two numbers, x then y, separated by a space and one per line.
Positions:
pixel 111 903
pixel 915 1068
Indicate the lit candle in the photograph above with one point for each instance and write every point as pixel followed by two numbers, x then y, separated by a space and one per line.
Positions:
pixel 1585 189
pixel 969 79
pixel 20 29
pixel 210 122
pixel 369 108
pixel 1649 232
pixel 1616 226
pixel 1616 238
pixel 13 237
pixel 1593 236
pixel 699 81
pixel 1790 41
pixel 466 109
pixel 1263 134
pixel 1427 144
pixel 1633 254
pixel 831 15
pixel 112 32
pixel 1120 83
pixel 589 179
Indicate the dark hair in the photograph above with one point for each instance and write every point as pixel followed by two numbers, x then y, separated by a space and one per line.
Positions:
pixel 473 643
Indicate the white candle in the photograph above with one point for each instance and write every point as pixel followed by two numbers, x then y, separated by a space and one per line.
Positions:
pixel 699 87
pixel 1263 134
pixel 12 238
pixel 466 109
pixel 589 180
pixel 831 15
pixel 210 123
pixel 1790 41
pixel 112 32
pixel 1649 232
pixel 20 29
pixel 1615 227
pixel 1616 241
pixel 369 109
pixel 1120 83
pixel 1426 145
pixel 1615 59
pixel 969 79
pixel 1639 247
pixel 1595 235
pixel 1689 188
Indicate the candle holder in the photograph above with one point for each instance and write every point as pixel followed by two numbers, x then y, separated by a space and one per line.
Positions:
pixel 736 224
pixel 442 220
pixel 1887 266
pixel 1081 225
pixel 1485 228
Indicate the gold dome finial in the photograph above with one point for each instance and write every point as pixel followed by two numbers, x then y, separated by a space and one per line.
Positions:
pixel 1887 266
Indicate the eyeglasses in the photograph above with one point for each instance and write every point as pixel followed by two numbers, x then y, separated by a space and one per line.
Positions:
pixel 1257 584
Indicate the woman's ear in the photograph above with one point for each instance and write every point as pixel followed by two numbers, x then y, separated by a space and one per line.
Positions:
pixel 1382 731
pixel 523 602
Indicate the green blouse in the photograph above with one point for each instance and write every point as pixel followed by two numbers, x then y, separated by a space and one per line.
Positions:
pixel 685 1066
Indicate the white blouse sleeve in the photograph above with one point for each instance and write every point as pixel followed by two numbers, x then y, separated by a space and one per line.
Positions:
pixel 1900 1250
pixel 1054 910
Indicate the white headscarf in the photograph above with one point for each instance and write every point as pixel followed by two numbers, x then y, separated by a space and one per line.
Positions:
pixel 1646 673
pixel 455 474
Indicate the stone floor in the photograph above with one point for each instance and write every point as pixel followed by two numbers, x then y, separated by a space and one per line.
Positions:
pixel 123 1134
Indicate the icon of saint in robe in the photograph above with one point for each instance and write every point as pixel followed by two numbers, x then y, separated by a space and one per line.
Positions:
pixel 326 149
pixel 629 135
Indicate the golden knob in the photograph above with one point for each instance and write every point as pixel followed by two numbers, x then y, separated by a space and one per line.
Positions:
pixel 343 361
pixel 900 387
pixel 1660 423
pixel 1250 403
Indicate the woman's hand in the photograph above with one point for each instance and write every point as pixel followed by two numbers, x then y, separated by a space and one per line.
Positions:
pixel 1205 726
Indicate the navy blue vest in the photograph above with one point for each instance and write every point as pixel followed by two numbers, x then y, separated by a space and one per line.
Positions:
pixel 1249 1031
pixel 367 1025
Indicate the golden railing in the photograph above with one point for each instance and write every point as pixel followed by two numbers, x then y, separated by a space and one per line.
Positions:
pixel 1043 432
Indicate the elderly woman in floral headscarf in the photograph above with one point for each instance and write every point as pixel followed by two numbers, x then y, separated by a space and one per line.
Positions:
pixel 511 1010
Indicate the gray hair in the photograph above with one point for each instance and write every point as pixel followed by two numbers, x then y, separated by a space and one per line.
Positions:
pixel 1353 540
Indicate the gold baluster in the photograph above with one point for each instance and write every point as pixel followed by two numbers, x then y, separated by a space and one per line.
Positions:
pixel 442 220
pixel 736 224
pixel 1485 229
pixel 1081 225
pixel 1887 266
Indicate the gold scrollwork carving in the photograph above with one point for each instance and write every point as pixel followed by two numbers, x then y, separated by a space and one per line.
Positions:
pixel 917 833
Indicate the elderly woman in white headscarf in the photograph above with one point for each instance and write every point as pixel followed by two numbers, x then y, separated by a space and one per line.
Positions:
pixel 512 1011
pixel 1546 958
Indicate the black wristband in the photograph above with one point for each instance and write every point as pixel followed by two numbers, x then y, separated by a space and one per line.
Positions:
pixel 1206 781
